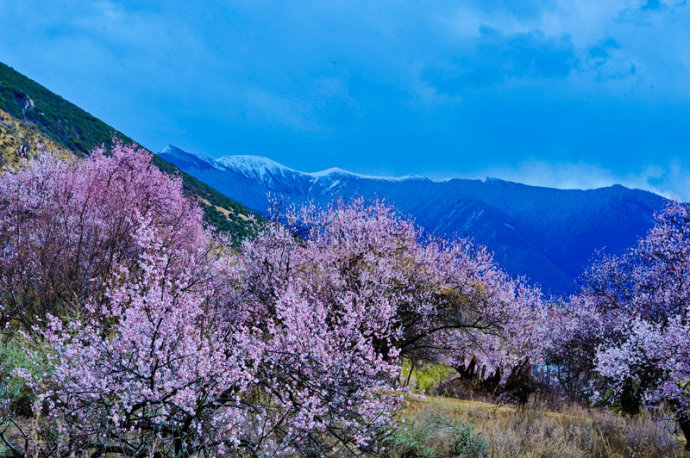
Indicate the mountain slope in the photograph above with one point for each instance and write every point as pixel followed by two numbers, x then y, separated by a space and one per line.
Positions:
pixel 547 234
pixel 32 112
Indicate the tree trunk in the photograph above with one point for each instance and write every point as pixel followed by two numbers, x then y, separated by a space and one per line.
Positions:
pixel 685 427
pixel 630 400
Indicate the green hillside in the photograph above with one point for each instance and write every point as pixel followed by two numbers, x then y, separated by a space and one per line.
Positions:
pixel 69 126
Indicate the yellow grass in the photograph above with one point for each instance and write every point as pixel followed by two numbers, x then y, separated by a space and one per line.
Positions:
pixel 15 134
pixel 485 429
pixel 224 211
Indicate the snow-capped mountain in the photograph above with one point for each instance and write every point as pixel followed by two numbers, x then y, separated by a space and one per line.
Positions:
pixel 546 234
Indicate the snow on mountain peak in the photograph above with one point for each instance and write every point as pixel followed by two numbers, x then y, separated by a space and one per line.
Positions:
pixel 254 166
pixel 263 168
pixel 338 171
pixel 330 171
pixel 248 162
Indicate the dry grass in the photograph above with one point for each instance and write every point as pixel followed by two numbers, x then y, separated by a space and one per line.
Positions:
pixel 444 427
pixel 15 134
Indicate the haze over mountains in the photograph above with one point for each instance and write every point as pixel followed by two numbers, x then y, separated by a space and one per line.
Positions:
pixel 546 234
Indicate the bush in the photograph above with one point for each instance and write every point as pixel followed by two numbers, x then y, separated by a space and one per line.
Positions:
pixel 15 395
pixel 435 434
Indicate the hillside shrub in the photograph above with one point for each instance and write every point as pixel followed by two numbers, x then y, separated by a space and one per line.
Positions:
pixel 435 434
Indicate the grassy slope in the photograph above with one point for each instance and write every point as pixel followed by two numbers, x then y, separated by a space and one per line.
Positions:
pixel 39 110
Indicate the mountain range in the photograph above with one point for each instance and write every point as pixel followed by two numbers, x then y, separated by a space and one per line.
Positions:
pixel 547 235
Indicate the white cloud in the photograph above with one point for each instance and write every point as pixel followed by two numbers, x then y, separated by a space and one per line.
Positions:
pixel 672 180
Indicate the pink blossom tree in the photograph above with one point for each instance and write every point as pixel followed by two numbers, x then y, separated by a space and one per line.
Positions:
pixel 572 330
pixel 636 339
pixel 170 369
pixel 65 225
pixel 163 370
pixel 437 301
pixel 167 353
pixel 158 339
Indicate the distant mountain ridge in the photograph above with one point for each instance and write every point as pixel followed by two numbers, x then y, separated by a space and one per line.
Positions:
pixel 546 234
pixel 30 113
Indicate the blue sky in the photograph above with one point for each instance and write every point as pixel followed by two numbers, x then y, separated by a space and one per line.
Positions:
pixel 566 93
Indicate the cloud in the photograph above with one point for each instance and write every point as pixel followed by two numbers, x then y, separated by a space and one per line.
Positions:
pixel 430 87
pixel 670 180
pixel 496 57
pixel 607 60
pixel 652 5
